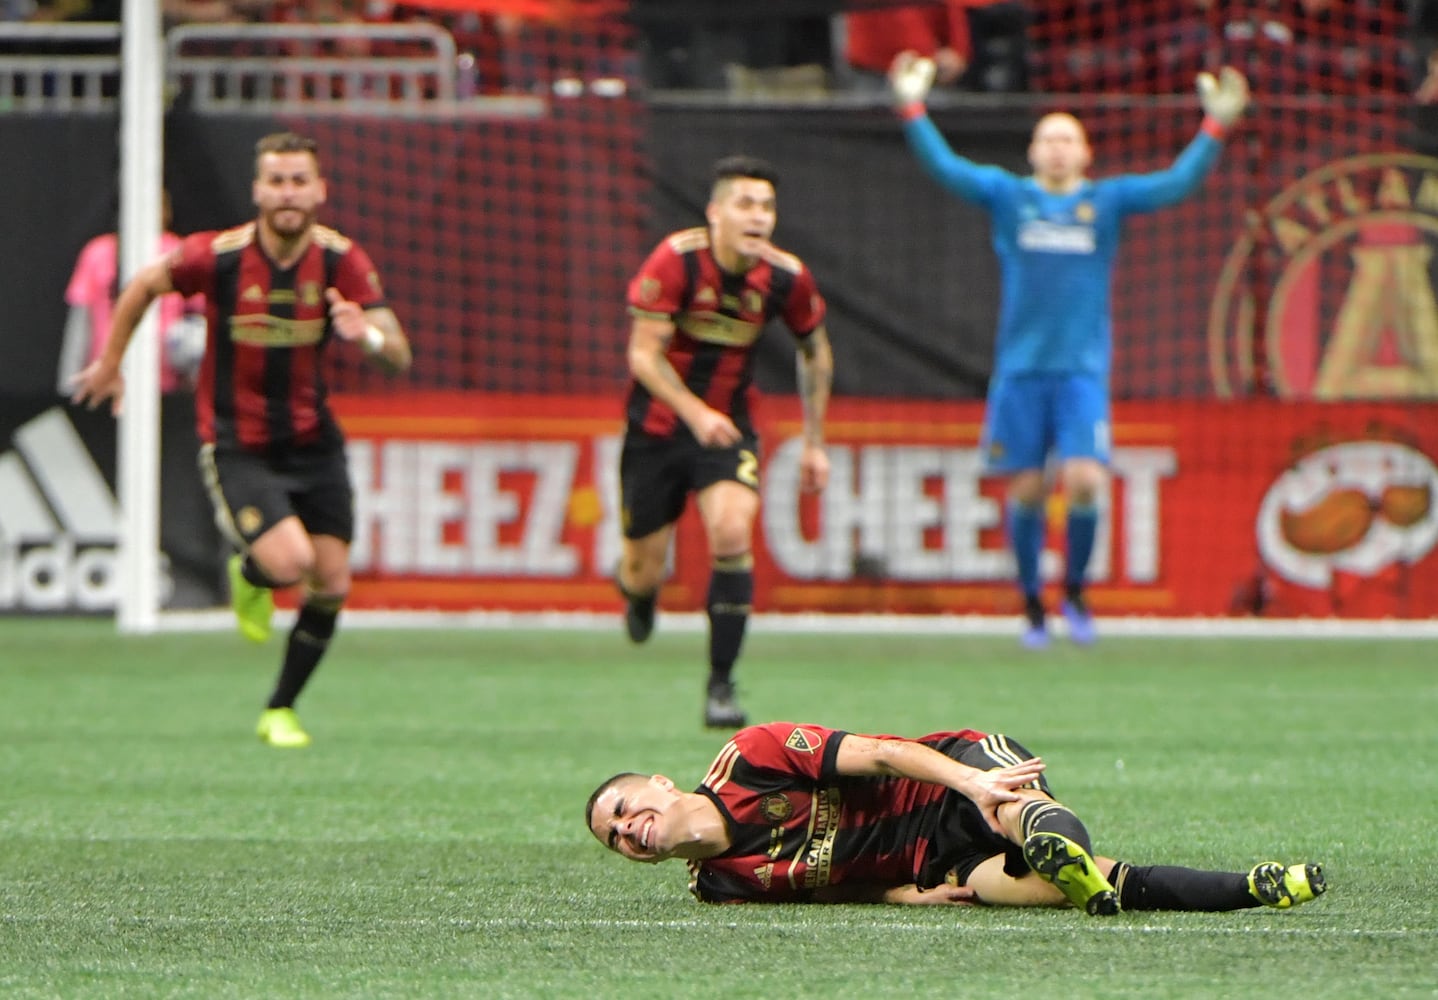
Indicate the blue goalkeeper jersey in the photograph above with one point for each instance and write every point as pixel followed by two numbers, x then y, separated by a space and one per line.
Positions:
pixel 1056 251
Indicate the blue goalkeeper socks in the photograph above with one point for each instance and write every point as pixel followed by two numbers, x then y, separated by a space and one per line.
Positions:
pixel 1026 536
pixel 1082 527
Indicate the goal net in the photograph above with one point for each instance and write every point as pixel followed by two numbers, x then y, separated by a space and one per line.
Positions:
pixel 1275 338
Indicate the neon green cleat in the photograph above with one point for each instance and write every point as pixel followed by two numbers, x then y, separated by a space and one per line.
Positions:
pixel 1055 858
pixel 280 727
pixel 1274 885
pixel 254 606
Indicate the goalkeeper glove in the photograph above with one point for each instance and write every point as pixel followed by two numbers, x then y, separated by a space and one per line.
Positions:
pixel 1223 99
pixel 910 78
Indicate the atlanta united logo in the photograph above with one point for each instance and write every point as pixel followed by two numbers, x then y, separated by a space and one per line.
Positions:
pixel 1331 289
pixel 776 808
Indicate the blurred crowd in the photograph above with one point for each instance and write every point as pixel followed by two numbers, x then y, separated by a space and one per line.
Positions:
pixel 1354 46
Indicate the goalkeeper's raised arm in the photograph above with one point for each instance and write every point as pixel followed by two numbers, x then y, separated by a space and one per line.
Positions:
pixel 1056 233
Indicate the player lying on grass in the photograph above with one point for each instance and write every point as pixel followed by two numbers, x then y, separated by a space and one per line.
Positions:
pixel 801 813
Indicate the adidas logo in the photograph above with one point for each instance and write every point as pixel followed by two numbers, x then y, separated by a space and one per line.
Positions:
pixel 58 524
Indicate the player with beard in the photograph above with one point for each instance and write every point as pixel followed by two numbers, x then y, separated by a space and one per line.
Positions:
pixel 277 290
pixel 699 305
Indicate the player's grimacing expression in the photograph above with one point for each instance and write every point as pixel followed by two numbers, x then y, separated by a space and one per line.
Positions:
pixel 1059 151
pixel 741 213
pixel 288 191
pixel 631 817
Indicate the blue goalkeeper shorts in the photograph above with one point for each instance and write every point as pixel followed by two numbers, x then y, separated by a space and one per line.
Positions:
pixel 1032 417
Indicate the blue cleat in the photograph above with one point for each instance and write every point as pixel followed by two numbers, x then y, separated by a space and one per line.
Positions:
pixel 1035 637
pixel 1080 622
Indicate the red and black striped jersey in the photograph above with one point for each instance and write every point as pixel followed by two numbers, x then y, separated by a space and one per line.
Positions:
pixel 796 825
pixel 717 319
pixel 261 385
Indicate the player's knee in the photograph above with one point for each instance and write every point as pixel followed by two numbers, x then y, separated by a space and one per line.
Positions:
pixel 641 569
pixel 1027 489
pixel 284 569
pixel 730 534
pixel 1082 481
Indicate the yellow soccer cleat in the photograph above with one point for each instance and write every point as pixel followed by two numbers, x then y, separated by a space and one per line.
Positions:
pixel 1056 859
pixel 1281 887
pixel 280 727
pixel 254 606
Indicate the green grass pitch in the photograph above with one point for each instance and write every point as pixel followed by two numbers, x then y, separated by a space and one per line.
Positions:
pixel 430 843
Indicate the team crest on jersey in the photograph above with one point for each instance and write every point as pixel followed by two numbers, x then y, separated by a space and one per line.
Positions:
pixel 248 520
pixel 1084 212
pixel 310 294
pixel 776 808
pixel 649 290
pixel 804 740
pixel 753 302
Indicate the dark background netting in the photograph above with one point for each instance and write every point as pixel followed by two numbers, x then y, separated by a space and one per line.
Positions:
pixel 506 240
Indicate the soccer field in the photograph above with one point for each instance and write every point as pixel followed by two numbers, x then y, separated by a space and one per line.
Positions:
pixel 430 843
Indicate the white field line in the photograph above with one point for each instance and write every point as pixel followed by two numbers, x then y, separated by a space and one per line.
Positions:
pixel 817 624
pixel 1079 925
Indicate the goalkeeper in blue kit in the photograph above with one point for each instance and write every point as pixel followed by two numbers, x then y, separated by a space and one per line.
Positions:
pixel 1056 235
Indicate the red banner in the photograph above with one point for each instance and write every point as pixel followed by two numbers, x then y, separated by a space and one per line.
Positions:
pixel 1215 507
pixel 542 10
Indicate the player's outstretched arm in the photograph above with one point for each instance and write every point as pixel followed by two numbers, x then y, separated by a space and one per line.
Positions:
pixel 911 76
pixel 1224 99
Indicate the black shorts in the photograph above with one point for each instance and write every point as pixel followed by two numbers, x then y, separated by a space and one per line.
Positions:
pixel 656 476
pixel 252 492
pixel 963 840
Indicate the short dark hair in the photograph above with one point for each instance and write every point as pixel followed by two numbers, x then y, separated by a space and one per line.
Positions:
pixel 285 142
pixel 604 787
pixel 751 167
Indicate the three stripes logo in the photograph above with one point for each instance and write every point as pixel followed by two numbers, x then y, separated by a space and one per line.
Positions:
pixel 59 522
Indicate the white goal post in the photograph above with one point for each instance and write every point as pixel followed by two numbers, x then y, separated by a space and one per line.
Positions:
pixel 142 139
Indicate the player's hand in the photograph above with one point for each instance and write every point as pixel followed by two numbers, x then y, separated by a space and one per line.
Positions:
pixel 97 382
pixel 713 429
pixel 990 789
pixel 1224 98
pixel 910 77
pixel 813 469
pixel 945 894
pixel 346 317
